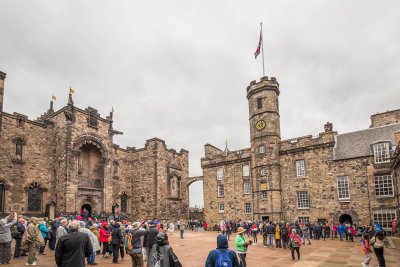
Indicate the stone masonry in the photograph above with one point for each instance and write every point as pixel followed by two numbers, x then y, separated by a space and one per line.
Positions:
pixel 70 156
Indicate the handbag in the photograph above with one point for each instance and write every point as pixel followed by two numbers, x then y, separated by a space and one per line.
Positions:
pixel 109 239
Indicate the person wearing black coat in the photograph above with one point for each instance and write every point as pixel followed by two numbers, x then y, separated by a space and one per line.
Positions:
pixel 73 248
pixel 18 238
pixel 150 238
pixel 222 247
pixel 162 253
pixel 117 239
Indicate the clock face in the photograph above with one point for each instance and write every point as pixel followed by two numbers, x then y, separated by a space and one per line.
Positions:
pixel 260 125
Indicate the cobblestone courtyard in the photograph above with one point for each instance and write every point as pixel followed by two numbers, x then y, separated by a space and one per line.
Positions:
pixel 193 250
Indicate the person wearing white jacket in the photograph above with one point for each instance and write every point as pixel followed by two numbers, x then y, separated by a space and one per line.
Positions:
pixel 5 237
pixel 93 239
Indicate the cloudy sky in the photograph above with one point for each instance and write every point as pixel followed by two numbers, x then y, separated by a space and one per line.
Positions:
pixel 178 70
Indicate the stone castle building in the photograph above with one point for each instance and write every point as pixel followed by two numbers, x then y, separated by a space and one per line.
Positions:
pixel 332 177
pixel 66 160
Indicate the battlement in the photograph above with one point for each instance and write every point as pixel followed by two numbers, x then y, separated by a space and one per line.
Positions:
pixel 263 84
pixel 219 157
pixel 307 142
pixel 385 118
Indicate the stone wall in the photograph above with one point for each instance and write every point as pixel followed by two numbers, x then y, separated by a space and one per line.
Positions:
pixel 385 118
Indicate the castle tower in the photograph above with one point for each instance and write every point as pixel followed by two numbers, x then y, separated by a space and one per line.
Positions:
pixel 265 137
pixel 2 78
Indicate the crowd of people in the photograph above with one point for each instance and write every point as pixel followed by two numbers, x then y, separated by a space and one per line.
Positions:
pixel 77 240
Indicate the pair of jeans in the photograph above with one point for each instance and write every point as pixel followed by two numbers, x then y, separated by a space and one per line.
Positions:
pixel 242 259
pixel 5 252
pixel 137 259
pixel 92 258
pixel 271 237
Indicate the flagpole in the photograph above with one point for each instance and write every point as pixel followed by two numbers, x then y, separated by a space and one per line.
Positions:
pixel 262 49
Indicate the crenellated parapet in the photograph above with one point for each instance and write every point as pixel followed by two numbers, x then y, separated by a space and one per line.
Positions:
pixel 308 142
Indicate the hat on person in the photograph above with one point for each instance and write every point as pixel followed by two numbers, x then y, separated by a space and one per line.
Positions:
pixel 293 230
pixel 241 230
pixel 151 223
pixel 136 225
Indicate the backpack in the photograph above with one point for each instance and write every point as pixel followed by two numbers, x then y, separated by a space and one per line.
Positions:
pixel 14 231
pixel 223 259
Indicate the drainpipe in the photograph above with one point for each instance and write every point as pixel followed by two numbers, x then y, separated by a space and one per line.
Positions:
pixel 369 196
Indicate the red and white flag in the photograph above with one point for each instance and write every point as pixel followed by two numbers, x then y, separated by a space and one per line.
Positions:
pixel 258 47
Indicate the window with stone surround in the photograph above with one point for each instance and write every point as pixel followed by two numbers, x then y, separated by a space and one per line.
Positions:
pixel 246 170
pixel 261 149
pixel 263 194
pixel 246 187
pixel 343 188
pixel 263 172
pixel 384 217
pixel 220 173
pixel 247 208
pixel 381 152
pixel 221 207
pixel 300 169
pixel 124 202
pixel 35 197
pixel 304 219
pixel 302 200
pixel 384 186
pixel 259 103
pixel 220 189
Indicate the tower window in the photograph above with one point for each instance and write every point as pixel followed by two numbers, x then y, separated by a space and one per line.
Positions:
pixel 246 170
pixel 261 149
pixel 247 208
pixel 300 170
pixel 247 187
pixel 263 194
pixel 302 200
pixel 263 172
pixel 220 173
pixel 124 203
pixel 221 207
pixel 220 189
pixel 259 103
pixel 343 188
pixel 384 186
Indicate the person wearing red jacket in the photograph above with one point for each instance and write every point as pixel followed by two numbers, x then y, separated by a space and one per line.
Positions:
pixel 295 243
pixel 104 236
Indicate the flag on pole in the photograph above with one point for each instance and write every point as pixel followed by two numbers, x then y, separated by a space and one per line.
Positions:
pixel 258 46
pixel 71 91
pixel 53 98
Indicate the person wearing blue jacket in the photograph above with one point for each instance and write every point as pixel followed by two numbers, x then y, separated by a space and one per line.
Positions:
pixel 43 230
pixel 222 247
pixel 341 230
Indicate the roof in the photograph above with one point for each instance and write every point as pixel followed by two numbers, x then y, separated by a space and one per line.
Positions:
pixel 357 144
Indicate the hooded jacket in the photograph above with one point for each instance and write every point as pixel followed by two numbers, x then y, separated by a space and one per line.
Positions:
pixel 222 246
pixel 162 251
pixel 93 239
pixel 5 232
pixel 104 234
pixel 116 234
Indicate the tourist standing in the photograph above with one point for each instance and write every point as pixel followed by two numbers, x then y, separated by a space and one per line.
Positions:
pixel 171 228
pixel 222 255
pixel 182 225
pixel 284 236
pixel 93 241
pixel 150 238
pixel 116 240
pixel 31 240
pixel 5 237
pixel 73 247
pixel 271 234
pixel 366 248
pixel 278 236
pixel 161 253
pixel 241 246
pixel 134 243
pixel 295 243
pixel 378 242
pixel 61 230
pixel 104 238
pixel 17 231
pixel 44 231
pixel 305 232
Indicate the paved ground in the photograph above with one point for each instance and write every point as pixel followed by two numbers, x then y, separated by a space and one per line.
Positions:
pixel 193 250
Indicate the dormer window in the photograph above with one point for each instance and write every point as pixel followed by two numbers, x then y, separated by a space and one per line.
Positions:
pixel 381 152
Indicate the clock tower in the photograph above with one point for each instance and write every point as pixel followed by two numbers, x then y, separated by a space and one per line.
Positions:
pixel 265 137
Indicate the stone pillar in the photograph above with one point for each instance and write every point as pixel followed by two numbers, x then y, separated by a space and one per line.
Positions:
pixel 2 78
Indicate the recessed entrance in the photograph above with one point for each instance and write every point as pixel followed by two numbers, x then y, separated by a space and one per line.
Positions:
pixel 265 218
pixel 345 218
pixel 86 210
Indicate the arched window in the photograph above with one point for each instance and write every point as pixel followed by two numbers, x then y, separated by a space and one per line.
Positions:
pixel 2 196
pixel 35 197
pixel 124 203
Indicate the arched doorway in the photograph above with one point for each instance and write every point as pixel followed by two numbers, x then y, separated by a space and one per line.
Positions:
pixel 86 210
pixel 345 218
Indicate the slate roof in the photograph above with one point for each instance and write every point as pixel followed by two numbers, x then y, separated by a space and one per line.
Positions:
pixel 357 144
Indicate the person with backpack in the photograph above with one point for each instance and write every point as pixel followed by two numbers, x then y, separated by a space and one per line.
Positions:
pixel 133 243
pixel 295 243
pixel 161 254
pixel 17 231
pixel 284 236
pixel 366 248
pixel 222 256
pixel 378 242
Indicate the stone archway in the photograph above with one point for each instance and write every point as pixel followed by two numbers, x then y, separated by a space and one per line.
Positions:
pixel 86 210
pixel 346 214
pixel 345 218
pixel 191 181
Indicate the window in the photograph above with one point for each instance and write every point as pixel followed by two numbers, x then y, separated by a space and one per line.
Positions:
pixel 381 152
pixel 384 186
pixel 343 188
pixel 385 217
pixel 247 187
pixel 220 189
pixel 20 122
pixel 93 120
pixel 221 207
pixel 304 219
pixel 34 197
pixel 263 172
pixel 300 171
pixel 259 103
pixel 263 194
pixel 261 149
pixel 246 170
pixel 220 173
pixel 302 200
pixel 247 208
pixel 124 203
pixel 2 196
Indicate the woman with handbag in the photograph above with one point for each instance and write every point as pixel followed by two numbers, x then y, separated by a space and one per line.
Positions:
pixel 295 243
pixel 378 241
